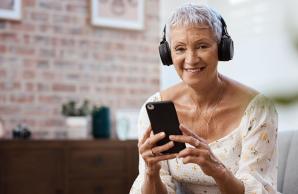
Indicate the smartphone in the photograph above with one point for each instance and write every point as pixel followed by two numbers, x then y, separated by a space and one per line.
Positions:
pixel 163 117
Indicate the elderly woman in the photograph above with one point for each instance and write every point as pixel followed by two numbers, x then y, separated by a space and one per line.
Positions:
pixel 230 130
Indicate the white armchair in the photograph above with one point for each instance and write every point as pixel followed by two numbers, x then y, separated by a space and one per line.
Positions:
pixel 287 181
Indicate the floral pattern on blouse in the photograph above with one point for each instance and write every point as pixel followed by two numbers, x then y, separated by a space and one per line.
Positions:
pixel 249 152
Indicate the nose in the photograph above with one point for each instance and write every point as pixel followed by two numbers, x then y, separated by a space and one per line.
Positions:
pixel 191 57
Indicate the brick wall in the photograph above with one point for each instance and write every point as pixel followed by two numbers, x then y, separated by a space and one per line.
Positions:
pixel 54 54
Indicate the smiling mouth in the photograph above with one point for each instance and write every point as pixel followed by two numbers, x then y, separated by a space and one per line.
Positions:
pixel 194 70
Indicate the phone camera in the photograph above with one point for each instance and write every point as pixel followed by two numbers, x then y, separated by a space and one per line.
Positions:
pixel 150 106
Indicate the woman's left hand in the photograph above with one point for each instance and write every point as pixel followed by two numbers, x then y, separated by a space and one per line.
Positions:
pixel 200 153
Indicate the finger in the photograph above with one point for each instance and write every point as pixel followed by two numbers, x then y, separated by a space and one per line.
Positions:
pixel 190 140
pixel 185 130
pixel 188 152
pixel 189 132
pixel 146 135
pixel 197 156
pixel 191 159
pixel 195 160
pixel 152 140
pixel 147 154
pixel 165 157
pixel 158 149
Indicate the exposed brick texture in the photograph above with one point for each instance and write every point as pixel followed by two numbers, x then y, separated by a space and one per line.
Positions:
pixel 54 54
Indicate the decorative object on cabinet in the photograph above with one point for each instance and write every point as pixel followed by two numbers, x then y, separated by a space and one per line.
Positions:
pixel 126 124
pixel 128 14
pixel 101 122
pixel 70 109
pixel 21 132
pixel 77 127
pixel 77 119
pixel 10 9
pixel 67 166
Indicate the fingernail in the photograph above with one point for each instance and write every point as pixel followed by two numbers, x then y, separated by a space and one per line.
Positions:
pixel 197 143
pixel 171 137
pixel 172 143
pixel 162 134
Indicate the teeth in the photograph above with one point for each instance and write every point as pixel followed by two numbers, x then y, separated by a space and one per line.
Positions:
pixel 194 70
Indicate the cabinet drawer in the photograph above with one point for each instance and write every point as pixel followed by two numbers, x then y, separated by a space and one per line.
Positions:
pixel 30 186
pixel 35 164
pixel 31 170
pixel 100 186
pixel 98 162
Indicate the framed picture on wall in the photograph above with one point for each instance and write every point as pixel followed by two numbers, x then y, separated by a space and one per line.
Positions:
pixel 10 9
pixel 126 14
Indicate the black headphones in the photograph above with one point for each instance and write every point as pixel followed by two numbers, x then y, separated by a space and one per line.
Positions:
pixel 225 47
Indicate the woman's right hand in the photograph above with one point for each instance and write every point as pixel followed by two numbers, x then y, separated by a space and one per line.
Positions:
pixel 151 153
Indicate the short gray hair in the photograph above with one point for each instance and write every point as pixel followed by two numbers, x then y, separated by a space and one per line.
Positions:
pixel 192 14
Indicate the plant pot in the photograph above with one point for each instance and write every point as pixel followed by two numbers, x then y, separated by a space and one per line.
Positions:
pixel 77 127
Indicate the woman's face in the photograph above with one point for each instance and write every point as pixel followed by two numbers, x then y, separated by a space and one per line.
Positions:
pixel 194 53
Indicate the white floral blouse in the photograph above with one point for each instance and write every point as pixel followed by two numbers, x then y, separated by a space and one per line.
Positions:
pixel 249 152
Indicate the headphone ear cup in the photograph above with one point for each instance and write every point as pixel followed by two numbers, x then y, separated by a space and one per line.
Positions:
pixel 165 53
pixel 226 49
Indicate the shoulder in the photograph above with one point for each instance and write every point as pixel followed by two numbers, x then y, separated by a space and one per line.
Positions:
pixel 254 101
pixel 240 90
pixel 260 115
pixel 261 105
pixel 238 95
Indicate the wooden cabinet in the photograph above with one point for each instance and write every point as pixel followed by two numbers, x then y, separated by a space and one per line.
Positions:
pixel 105 169
pixel 67 167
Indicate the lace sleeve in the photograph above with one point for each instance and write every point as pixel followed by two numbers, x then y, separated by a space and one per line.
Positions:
pixel 258 162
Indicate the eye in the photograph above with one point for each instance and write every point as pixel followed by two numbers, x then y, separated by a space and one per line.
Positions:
pixel 202 46
pixel 179 49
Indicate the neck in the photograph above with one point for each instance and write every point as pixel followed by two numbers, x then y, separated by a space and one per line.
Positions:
pixel 207 95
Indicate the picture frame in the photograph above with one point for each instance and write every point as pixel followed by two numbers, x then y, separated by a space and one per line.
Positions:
pixel 124 14
pixel 10 9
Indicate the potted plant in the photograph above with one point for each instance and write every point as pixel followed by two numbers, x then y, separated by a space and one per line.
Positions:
pixel 77 119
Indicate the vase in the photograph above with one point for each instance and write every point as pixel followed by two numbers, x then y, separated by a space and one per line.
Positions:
pixel 101 124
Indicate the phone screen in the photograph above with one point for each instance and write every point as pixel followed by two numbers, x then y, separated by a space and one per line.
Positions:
pixel 163 117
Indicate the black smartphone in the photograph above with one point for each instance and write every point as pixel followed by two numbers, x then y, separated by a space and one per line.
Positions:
pixel 163 117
